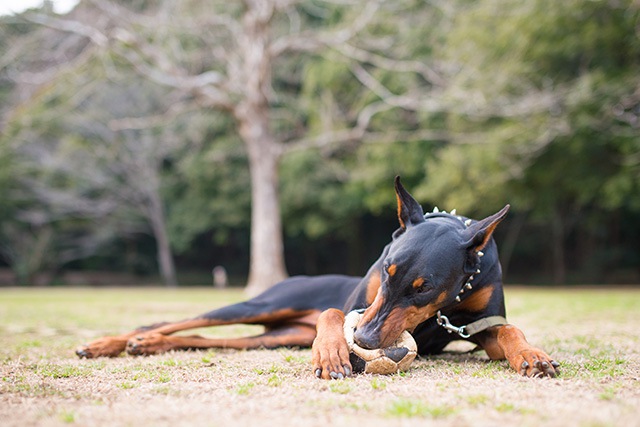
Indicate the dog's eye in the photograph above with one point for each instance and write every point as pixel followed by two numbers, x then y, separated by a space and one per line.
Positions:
pixel 420 285
pixel 391 269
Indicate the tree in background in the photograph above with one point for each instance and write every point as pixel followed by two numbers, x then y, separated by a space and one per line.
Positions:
pixel 228 57
pixel 474 103
pixel 554 94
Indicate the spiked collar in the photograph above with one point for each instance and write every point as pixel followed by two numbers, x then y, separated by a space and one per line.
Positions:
pixel 480 325
pixel 443 214
pixel 466 222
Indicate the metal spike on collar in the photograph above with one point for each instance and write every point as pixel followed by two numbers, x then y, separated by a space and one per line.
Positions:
pixel 468 286
pixel 453 212
pixel 467 222
pixel 435 209
pixel 480 253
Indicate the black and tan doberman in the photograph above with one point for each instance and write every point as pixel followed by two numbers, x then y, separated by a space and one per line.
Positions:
pixel 439 278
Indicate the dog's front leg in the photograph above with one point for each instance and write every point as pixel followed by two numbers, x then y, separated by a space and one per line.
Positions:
pixel 330 350
pixel 508 342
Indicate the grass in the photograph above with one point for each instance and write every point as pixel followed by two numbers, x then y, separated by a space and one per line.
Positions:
pixel 377 383
pixel 590 331
pixel 67 417
pixel 341 387
pixel 245 388
pixel 417 408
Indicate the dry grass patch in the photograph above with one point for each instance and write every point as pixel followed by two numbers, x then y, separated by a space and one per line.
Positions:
pixel 42 382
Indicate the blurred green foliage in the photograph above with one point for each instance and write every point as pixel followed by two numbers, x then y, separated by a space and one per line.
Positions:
pixel 539 107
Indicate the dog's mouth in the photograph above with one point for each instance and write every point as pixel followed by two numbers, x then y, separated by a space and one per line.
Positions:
pixel 380 331
pixel 383 321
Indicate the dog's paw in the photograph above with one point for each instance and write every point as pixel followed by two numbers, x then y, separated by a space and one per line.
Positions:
pixel 103 347
pixel 534 363
pixel 148 344
pixel 331 358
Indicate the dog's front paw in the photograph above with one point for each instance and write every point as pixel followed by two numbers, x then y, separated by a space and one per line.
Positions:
pixel 148 344
pixel 331 358
pixel 103 347
pixel 330 351
pixel 533 362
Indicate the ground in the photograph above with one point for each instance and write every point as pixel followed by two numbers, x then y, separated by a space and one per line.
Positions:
pixel 591 332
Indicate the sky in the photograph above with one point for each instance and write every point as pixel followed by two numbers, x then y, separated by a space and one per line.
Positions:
pixel 8 7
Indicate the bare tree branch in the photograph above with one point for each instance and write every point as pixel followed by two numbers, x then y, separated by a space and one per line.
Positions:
pixel 155 120
pixel 147 60
pixel 310 41
pixel 92 33
pixel 390 64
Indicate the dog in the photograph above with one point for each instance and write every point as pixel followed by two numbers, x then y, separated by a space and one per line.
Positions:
pixel 439 278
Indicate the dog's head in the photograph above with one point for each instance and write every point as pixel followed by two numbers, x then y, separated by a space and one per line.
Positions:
pixel 426 265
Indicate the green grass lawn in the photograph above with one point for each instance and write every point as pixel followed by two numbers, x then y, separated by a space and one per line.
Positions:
pixel 591 332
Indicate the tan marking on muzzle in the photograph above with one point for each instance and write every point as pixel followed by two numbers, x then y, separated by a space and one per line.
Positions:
pixel 400 319
pixel 372 287
pixel 372 310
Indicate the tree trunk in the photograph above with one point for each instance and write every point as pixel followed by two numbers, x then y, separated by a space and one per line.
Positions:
pixel 557 250
pixel 164 255
pixel 252 114
pixel 267 265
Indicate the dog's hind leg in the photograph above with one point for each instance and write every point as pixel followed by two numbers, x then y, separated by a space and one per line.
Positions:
pixel 285 335
pixel 238 313
pixel 283 328
pixel 112 346
pixel 297 299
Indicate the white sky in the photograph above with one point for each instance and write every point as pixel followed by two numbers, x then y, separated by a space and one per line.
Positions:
pixel 8 7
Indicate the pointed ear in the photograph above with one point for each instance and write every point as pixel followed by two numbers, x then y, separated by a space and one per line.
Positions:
pixel 478 234
pixel 409 210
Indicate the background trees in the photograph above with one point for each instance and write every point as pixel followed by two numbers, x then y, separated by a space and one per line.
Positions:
pixel 556 95
pixel 134 118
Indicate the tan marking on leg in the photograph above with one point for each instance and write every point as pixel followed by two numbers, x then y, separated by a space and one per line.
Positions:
pixel 330 350
pixel 284 335
pixel 113 346
pixel 310 319
pixel 507 341
pixel 261 319
pixel 488 340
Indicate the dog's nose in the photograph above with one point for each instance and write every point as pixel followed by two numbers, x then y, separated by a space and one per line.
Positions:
pixel 365 340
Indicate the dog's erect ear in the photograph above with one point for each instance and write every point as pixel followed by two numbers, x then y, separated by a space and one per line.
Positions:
pixel 477 236
pixel 479 233
pixel 409 211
